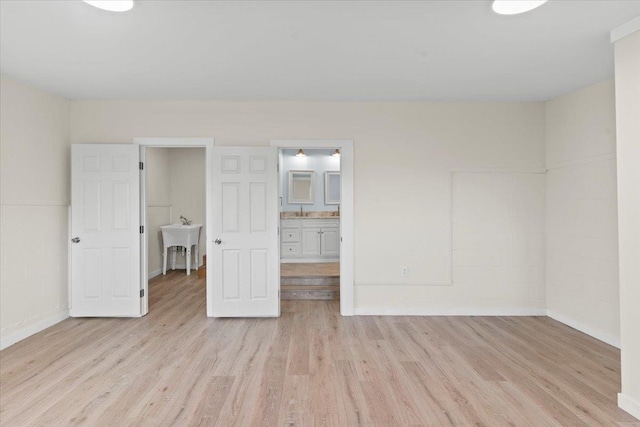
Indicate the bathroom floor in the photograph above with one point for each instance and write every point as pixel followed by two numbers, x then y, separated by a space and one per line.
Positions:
pixel 310 269
pixel 311 281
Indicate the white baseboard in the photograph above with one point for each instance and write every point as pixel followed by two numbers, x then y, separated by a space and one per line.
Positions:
pixel 32 329
pixel 597 334
pixel 155 273
pixel 307 260
pixel 469 311
pixel 630 405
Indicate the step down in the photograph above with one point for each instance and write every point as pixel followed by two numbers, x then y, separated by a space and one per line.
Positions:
pixel 312 292
pixel 310 280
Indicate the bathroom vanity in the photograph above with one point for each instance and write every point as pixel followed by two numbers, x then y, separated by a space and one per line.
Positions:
pixel 310 239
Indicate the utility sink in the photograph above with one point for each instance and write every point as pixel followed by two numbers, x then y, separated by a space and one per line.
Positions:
pixel 180 235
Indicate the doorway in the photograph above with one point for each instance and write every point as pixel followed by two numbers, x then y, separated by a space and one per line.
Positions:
pixel 309 195
pixel 342 240
pixel 157 204
pixel 175 198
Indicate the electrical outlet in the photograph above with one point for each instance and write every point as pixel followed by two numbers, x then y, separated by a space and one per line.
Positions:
pixel 404 271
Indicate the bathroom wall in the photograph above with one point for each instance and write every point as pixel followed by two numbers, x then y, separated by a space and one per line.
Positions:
pixel 582 239
pixel 404 156
pixel 34 199
pixel 320 161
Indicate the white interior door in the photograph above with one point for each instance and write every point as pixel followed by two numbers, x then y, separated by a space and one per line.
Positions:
pixel 246 269
pixel 105 226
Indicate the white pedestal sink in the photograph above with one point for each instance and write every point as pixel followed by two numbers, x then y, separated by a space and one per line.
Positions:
pixel 180 235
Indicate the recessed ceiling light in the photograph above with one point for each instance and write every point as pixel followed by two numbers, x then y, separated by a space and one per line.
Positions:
pixel 514 7
pixel 112 5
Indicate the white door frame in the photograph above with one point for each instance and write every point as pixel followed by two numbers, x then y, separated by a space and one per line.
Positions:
pixel 208 144
pixel 346 211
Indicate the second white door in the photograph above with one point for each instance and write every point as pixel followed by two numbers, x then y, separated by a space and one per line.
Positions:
pixel 245 233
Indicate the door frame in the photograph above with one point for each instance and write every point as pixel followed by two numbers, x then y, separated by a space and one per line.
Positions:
pixel 144 143
pixel 346 210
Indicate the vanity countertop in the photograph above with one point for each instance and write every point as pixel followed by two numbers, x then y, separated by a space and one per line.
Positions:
pixel 310 215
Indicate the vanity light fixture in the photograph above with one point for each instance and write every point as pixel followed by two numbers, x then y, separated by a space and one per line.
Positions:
pixel 514 7
pixel 301 153
pixel 111 5
pixel 336 153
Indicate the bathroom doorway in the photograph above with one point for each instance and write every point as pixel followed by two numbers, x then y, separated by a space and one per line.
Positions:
pixel 316 208
pixel 309 194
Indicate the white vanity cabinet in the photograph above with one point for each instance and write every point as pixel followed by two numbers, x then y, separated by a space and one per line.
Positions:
pixel 310 240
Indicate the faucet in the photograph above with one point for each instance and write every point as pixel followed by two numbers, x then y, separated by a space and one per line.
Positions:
pixel 185 221
pixel 301 213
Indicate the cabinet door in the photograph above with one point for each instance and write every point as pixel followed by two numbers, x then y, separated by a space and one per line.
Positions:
pixel 330 242
pixel 310 242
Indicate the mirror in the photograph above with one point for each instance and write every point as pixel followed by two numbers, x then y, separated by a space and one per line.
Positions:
pixel 332 188
pixel 301 187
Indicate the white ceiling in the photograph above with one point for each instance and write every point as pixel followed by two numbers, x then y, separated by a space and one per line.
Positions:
pixel 310 50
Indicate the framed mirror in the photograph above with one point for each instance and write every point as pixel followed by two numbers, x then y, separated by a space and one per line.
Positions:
pixel 301 187
pixel 332 188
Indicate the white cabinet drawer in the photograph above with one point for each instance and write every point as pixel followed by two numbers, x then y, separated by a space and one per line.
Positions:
pixel 290 250
pixel 290 235
pixel 320 223
pixel 290 223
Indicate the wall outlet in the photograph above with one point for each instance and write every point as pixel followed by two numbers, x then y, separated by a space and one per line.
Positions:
pixel 404 271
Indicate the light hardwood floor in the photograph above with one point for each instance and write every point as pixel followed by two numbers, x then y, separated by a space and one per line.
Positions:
pixel 317 269
pixel 309 367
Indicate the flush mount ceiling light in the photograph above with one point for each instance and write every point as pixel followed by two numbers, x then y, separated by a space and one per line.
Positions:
pixel 514 7
pixel 336 153
pixel 111 5
pixel 301 153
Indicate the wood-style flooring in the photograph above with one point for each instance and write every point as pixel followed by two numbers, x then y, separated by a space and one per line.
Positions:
pixel 315 269
pixel 310 367
pixel 310 281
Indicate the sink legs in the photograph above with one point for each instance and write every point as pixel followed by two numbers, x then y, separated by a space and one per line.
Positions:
pixel 174 250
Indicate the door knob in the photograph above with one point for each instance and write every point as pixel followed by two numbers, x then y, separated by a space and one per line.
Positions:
pixel 76 240
pixel 217 241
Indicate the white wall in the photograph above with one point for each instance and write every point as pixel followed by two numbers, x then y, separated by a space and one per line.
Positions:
pixel 499 240
pixel 157 164
pixel 34 199
pixel 404 153
pixel 187 186
pixel 320 161
pixel 582 233
pixel 627 64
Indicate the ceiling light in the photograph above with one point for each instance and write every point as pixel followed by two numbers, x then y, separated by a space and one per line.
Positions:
pixel 301 153
pixel 336 153
pixel 514 7
pixel 111 5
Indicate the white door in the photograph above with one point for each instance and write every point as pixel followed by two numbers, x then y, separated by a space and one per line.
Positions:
pixel 105 227
pixel 246 268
